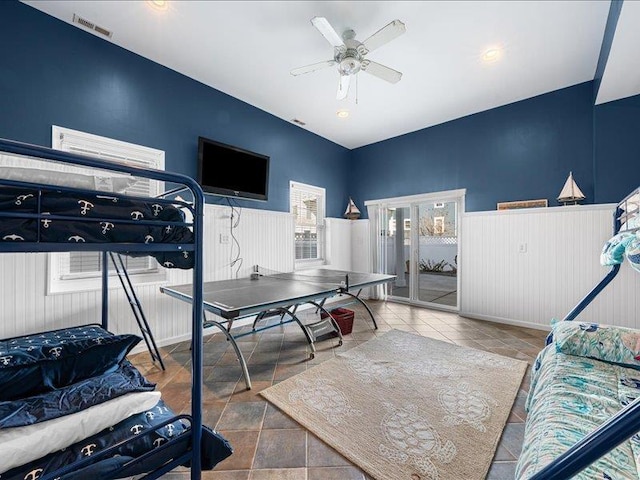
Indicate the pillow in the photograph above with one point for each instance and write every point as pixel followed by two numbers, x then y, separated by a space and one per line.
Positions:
pixel 72 398
pixel 613 250
pixel 633 253
pixel 611 344
pixel 37 363
pixel 631 224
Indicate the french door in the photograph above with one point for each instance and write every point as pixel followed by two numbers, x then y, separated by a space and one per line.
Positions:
pixel 417 240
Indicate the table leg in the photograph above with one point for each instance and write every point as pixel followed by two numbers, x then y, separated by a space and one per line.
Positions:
pixel 358 299
pixel 243 363
pixel 305 330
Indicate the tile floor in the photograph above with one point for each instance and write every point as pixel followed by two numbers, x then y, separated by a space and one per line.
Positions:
pixel 268 445
pixel 432 287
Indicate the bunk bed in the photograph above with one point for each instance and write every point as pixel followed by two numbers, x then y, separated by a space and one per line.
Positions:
pixel 583 408
pixel 111 422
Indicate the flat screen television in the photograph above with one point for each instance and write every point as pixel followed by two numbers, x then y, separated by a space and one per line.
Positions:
pixel 232 171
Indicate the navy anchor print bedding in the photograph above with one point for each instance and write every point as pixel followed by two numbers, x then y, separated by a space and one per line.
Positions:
pixel 94 218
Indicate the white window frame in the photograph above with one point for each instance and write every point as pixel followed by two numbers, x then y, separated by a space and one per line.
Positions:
pixel 59 279
pixel 320 224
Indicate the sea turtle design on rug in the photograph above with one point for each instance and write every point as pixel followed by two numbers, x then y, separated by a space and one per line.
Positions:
pixel 464 405
pixel 412 439
pixel 320 395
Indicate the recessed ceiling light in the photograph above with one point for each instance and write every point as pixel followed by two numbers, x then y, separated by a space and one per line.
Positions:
pixel 491 54
pixel 158 4
pixel 342 113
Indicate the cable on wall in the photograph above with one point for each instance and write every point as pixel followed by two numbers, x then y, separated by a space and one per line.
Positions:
pixel 236 213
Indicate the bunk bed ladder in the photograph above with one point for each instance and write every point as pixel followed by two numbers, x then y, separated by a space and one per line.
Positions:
pixel 136 308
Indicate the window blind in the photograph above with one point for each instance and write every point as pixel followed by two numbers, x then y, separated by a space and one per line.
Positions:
pixel 307 204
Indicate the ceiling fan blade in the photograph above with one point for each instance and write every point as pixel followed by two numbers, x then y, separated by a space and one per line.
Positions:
pixel 384 35
pixel 327 31
pixel 313 67
pixel 380 71
pixel 343 87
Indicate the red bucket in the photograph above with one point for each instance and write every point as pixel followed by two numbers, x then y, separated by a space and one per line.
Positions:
pixel 344 319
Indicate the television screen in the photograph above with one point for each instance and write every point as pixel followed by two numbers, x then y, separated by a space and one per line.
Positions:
pixel 232 171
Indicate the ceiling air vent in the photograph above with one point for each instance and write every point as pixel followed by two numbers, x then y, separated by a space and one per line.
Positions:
pixel 299 122
pixel 92 26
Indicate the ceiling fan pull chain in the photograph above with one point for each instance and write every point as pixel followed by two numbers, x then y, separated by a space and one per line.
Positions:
pixel 356 89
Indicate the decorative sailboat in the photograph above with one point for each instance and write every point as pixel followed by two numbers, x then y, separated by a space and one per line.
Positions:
pixel 352 212
pixel 570 193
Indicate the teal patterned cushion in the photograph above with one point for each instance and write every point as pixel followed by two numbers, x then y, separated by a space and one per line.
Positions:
pixel 633 253
pixel 632 223
pixel 613 251
pixel 611 344
pixel 569 397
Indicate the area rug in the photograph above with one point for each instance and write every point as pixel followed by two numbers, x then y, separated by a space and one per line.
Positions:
pixel 406 407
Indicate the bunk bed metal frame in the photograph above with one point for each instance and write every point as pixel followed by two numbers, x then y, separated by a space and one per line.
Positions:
pixel 622 425
pixel 136 307
pixel 192 455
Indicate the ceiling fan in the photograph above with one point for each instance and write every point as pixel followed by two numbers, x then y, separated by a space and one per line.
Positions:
pixel 349 54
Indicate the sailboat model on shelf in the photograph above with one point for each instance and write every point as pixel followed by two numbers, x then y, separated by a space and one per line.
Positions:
pixel 570 194
pixel 352 212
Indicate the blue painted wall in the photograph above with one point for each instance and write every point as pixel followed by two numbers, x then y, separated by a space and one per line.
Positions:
pixel 520 151
pixel 53 73
pixel 56 74
pixel 617 148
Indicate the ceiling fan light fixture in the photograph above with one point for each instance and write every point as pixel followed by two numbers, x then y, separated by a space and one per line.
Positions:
pixel 349 66
pixel 491 55
pixel 342 113
pixel 158 4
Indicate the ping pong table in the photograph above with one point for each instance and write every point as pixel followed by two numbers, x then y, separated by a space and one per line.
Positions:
pixel 268 294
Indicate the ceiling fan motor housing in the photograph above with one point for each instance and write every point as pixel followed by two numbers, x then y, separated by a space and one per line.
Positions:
pixel 350 59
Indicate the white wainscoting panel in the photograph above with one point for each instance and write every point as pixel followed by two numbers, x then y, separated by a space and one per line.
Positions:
pixel 360 246
pixel 338 251
pixel 361 260
pixel 265 238
pixel 526 267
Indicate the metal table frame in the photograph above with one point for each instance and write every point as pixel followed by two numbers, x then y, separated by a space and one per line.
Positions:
pixel 317 297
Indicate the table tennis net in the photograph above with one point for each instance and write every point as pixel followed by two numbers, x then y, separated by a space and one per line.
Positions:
pixel 318 275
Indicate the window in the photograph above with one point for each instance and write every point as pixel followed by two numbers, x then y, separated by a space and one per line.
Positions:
pixel 81 271
pixel 308 204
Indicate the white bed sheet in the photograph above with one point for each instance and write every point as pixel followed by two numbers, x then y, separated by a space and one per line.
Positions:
pixel 21 445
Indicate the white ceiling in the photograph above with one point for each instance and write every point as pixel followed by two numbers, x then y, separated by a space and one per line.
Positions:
pixel 622 76
pixel 246 49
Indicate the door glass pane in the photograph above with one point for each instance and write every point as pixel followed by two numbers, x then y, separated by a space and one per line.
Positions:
pixel 438 253
pixel 397 248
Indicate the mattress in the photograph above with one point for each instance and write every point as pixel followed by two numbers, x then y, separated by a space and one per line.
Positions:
pixel 571 396
pixel 130 427
pixel 93 218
